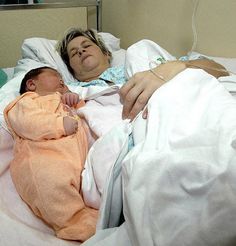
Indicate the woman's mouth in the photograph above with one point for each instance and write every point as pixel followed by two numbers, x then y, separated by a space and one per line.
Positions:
pixel 84 57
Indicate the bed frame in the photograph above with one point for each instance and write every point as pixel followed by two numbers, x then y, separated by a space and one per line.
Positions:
pixel 49 20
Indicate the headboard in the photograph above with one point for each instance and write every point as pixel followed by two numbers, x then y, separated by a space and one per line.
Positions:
pixel 48 20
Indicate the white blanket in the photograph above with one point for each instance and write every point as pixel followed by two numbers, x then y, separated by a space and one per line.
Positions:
pixel 179 183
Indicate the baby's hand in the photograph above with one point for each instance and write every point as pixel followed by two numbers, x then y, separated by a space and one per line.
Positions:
pixel 70 99
pixel 70 125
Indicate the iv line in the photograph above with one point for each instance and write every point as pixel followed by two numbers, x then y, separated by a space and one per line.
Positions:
pixel 194 26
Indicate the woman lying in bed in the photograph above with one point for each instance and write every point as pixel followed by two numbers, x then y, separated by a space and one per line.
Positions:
pixel 78 50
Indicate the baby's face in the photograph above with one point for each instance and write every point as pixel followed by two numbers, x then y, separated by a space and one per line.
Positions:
pixel 49 81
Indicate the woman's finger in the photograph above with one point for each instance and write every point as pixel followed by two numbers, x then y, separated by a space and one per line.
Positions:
pixel 130 98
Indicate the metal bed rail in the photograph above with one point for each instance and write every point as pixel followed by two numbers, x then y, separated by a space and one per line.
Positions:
pixel 68 4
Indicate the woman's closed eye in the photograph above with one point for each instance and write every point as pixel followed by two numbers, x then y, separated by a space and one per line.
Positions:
pixel 74 52
pixel 83 47
pixel 86 46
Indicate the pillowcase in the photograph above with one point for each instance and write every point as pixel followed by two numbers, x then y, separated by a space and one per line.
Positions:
pixel 42 50
pixel 118 57
pixel 112 42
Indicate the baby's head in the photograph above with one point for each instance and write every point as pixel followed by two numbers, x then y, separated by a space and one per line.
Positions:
pixel 44 81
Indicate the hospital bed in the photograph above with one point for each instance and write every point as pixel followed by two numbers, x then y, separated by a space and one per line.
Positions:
pixel 179 179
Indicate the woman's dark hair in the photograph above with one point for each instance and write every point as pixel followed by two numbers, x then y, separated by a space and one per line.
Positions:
pixel 77 32
pixel 32 74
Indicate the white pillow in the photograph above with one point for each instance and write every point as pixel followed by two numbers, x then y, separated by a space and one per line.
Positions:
pixel 42 50
pixel 118 57
pixel 111 42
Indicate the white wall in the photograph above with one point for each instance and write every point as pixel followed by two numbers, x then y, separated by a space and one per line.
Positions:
pixel 168 22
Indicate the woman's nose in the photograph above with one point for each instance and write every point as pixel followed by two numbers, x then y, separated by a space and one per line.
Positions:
pixel 80 51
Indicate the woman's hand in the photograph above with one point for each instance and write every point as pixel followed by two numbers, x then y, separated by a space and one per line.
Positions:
pixel 70 98
pixel 137 91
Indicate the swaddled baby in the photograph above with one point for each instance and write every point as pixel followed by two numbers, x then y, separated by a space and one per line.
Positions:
pixel 49 154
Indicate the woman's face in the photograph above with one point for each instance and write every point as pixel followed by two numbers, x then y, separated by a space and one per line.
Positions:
pixel 86 59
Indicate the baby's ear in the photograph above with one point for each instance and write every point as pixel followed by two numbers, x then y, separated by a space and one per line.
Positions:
pixel 30 85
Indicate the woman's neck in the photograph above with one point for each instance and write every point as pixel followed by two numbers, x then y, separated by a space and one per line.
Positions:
pixel 93 75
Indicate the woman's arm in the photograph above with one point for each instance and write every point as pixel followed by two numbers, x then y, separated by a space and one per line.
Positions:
pixel 209 66
pixel 137 91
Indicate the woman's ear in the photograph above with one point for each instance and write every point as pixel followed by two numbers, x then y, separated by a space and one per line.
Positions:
pixel 30 85
pixel 108 57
